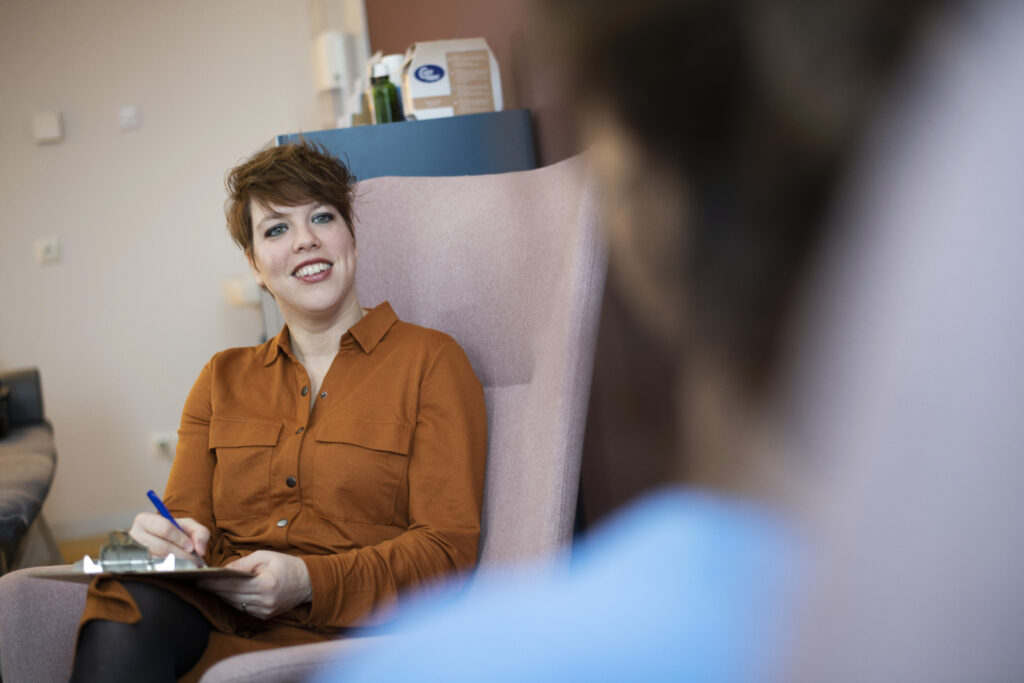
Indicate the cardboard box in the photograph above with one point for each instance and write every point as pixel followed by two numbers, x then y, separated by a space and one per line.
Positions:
pixel 450 77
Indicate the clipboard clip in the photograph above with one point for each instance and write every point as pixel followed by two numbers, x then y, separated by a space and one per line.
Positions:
pixel 122 553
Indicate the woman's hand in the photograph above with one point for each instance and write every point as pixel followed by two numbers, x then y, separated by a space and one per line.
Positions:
pixel 162 538
pixel 279 583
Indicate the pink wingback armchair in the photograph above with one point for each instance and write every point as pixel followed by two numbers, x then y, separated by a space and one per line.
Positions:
pixel 512 266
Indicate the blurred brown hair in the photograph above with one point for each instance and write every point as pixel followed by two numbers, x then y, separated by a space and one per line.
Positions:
pixel 756 106
pixel 288 175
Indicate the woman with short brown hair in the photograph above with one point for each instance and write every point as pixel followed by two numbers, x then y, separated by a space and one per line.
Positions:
pixel 339 463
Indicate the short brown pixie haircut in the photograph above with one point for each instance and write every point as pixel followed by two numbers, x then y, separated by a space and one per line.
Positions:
pixel 287 175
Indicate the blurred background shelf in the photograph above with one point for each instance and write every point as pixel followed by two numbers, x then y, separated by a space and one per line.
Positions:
pixel 472 144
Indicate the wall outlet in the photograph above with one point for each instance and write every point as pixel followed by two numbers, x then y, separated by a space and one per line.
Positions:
pixel 47 127
pixel 163 444
pixel 47 250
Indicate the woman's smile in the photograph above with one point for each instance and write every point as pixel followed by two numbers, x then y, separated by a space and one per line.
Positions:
pixel 313 271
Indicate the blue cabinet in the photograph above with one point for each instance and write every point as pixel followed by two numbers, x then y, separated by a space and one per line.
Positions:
pixel 472 144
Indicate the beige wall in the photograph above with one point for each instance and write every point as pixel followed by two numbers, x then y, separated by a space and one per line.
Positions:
pixel 121 327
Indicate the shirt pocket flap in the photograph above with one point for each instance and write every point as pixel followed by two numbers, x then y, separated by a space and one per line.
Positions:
pixel 243 432
pixel 394 437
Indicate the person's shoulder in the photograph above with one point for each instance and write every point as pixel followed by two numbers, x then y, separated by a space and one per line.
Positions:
pixel 687 523
pixel 426 347
pixel 426 336
pixel 679 566
pixel 382 324
pixel 243 355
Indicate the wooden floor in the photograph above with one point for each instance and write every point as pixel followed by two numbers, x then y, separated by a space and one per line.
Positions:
pixel 73 550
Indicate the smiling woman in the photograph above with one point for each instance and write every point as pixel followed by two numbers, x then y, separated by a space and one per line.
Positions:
pixel 313 462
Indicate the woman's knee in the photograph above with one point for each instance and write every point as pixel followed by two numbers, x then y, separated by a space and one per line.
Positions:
pixel 166 642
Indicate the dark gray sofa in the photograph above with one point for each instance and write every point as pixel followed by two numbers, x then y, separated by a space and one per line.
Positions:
pixel 28 459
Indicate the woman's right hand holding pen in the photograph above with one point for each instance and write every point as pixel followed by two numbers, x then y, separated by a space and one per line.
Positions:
pixel 161 537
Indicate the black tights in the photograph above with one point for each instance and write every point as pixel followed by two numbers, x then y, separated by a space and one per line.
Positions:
pixel 167 642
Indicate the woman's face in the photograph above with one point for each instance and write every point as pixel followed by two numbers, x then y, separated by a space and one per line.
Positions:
pixel 306 257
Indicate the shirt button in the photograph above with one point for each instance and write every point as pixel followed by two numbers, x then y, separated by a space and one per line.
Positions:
pixel 299 430
pixel 282 522
pixel 323 394
pixel 290 481
pixel 305 390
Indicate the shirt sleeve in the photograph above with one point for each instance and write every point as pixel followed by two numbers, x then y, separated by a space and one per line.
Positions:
pixel 446 478
pixel 189 486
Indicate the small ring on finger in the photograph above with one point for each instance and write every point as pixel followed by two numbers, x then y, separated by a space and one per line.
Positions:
pixel 243 608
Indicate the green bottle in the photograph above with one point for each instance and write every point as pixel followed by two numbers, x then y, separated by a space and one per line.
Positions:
pixel 384 95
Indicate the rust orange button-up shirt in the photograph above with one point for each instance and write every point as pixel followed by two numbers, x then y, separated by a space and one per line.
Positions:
pixel 378 488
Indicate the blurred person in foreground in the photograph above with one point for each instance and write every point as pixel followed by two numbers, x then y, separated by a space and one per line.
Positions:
pixel 721 132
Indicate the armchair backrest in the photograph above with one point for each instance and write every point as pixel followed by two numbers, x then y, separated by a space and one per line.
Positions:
pixel 512 266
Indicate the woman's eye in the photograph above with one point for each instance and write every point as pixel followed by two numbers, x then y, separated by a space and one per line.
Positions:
pixel 323 218
pixel 275 230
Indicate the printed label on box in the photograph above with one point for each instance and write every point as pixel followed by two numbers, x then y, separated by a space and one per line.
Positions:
pixel 472 92
pixel 450 77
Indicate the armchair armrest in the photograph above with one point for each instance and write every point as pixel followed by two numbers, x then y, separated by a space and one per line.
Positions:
pixel 26 402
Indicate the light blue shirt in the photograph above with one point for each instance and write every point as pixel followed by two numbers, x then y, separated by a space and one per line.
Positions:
pixel 682 586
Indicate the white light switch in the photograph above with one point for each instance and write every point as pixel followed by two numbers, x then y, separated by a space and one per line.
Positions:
pixel 129 117
pixel 48 250
pixel 47 128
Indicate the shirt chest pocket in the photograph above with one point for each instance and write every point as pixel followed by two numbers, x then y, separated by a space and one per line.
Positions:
pixel 241 478
pixel 359 468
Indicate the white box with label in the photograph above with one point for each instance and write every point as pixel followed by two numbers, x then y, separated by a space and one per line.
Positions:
pixel 450 77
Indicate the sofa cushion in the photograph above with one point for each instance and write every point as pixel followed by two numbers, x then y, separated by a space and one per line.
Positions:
pixel 5 413
pixel 28 458
pixel 25 404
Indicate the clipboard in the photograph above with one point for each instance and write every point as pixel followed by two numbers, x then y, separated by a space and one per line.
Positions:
pixel 74 573
pixel 122 556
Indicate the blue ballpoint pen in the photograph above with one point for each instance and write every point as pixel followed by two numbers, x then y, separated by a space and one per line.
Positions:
pixel 162 509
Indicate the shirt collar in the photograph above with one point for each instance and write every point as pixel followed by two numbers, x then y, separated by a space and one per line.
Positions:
pixel 366 333
pixel 373 327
